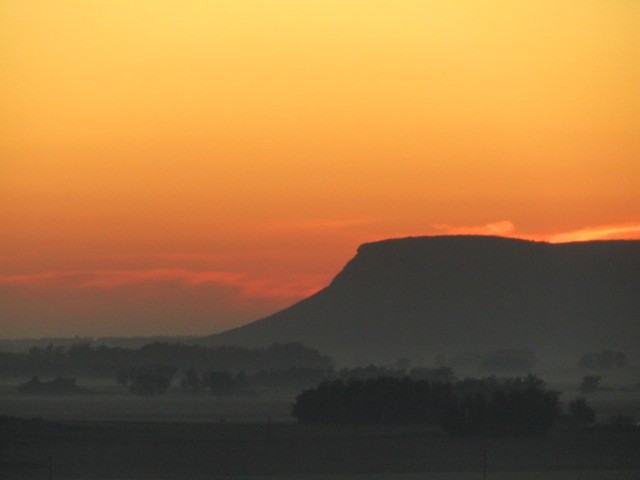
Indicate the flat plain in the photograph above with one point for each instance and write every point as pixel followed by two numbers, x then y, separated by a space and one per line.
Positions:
pixel 115 435
pixel 178 450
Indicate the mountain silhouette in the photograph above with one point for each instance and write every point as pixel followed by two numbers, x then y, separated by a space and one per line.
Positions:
pixel 419 297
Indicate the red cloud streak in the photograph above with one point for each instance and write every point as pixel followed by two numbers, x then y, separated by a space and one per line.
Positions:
pixel 246 286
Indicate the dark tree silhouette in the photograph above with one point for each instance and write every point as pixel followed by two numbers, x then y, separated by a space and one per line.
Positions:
pixel 514 407
pixel 191 382
pixel 150 379
pixel 580 412
pixel 102 361
pixel 58 386
pixel 517 407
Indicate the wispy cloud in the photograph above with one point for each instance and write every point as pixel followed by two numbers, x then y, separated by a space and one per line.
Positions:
pixel 115 279
pixel 293 287
pixel 497 228
pixel 143 302
pixel 506 228
pixel 626 231
pixel 28 279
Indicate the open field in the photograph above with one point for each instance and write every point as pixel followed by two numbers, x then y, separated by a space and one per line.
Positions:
pixel 135 450
pixel 545 475
pixel 115 435
pixel 131 408
pixel 110 403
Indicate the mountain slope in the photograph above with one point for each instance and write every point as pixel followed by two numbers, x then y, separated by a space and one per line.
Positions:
pixel 418 297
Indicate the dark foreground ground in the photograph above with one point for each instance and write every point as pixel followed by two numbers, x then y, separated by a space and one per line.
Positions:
pixel 136 450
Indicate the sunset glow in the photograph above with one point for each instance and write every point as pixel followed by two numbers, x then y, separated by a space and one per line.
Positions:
pixel 171 167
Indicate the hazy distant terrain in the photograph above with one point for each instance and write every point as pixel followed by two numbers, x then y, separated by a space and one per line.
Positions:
pixel 424 296
pixel 491 301
pixel 24 344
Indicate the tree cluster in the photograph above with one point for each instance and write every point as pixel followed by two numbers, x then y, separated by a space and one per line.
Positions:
pixel 225 383
pixel 512 407
pixel 219 383
pixel 580 413
pixel 154 379
pixel 515 407
pixel 57 386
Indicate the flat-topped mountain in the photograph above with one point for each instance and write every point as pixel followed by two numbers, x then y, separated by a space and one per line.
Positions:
pixel 424 296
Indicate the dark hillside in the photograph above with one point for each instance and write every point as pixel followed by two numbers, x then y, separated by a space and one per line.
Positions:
pixel 418 297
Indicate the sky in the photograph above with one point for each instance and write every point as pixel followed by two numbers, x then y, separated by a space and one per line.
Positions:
pixel 174 167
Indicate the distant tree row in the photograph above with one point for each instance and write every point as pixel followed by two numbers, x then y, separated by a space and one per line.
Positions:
pixel 515 407
pixel 580 413
pixel 152 379
pixel 155 379
pixel 438 374
pixel 225 383
pixel 57 386
pixel 216 382
pixel 85 359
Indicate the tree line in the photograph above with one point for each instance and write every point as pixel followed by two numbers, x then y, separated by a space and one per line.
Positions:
pixel 155 379
pixel 102 361
pixel 513 407
pixel 434 374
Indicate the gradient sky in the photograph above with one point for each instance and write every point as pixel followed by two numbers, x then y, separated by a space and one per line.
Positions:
pixel 180 167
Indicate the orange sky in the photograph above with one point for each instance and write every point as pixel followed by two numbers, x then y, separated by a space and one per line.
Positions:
pixel 172 167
